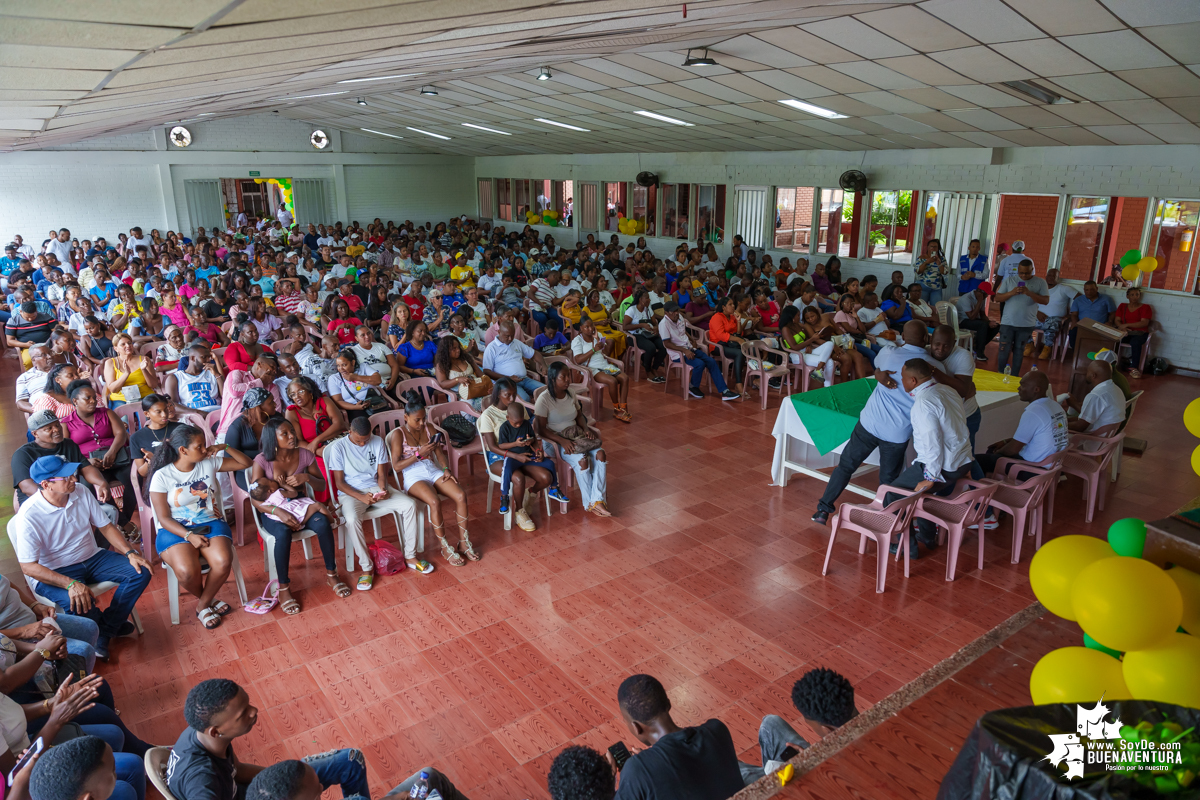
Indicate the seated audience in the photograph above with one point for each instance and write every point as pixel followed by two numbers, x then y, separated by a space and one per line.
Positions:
pixel 577 773
pixel 1041 433
pixel 1093 305
pixel 128 376
pixel 85 768
pixel 678 341
pixel 1134 318
pixel 416 355
pixel 590 350
pixel 198 385
pixel 1052 315
pixel 639 320
pixel 102 438
pixel 562 424
pixel 972 316
pixel 505 357
pixel 315 418
pixel 53 395
pixel 1104 404
pixel 527 479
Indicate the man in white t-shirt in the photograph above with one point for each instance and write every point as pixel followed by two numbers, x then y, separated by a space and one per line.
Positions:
pixel 1009 264
pixel 136 240
pixel 960 364
pixel 1041 433
pixel 53 540
pixel 284 216
pixel 358 465
pixel 60 246
pixel 1103 405
pixel 1051 315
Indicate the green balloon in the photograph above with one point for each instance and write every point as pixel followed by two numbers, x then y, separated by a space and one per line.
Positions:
pixel 1128 537
pixel 1131 257
pixel 1092 643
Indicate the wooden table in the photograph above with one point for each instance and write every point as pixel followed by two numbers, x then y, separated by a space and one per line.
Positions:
pixel 1172 541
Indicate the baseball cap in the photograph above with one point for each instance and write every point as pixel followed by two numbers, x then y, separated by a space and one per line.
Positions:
pixel 48 467
pixel 1018 245
pixel 1103 354
pixel 533 251
pixel 670 305
pixel 986 288
pixel 40 420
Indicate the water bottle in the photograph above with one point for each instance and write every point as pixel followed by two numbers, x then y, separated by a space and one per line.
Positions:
pixel 1033 368
pixel 420 788
pixel 1007 372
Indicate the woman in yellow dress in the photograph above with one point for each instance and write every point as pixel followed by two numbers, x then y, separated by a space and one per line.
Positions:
pixel 571 309
pixel 596 311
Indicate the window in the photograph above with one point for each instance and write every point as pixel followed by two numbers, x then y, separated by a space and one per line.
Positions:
pixel 643 208
pixel 793 218
pixel 589 211
pixel 504 192
pixel 1173 243
pixel 751 210
pixel 676 200
pixel 1083 238
pixel 833 234
pixel 521 204
pixel 890 235
pixel 566 194
pixel 954 219
pixel 614 205
pixel 710 213
pixel 485 198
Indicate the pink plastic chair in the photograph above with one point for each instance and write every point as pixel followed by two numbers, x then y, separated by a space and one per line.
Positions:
pixel 384 422
pixel 145 516
pixel 633 357
pixel 758 351
pixel 875 521
pixel 435 415
pixel 1092 465
pixel 954 515
pixel 1024 501
pixel 280 346
pixel 800 373
pixel 428 388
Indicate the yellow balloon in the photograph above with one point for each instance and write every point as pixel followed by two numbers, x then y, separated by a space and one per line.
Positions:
pixel 1131 272
pixel 1191 417
pixel 1055 567
pixel 1077 675
pixel 1196 461
pixel 1169 672
pixel 1189 588
pixel 1126 603
pixel 1148 264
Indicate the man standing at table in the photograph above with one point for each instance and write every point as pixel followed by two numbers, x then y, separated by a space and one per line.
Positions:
pixel 884 422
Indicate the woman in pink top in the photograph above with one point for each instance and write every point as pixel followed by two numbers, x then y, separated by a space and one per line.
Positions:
pixel 171 307
pixel 846 320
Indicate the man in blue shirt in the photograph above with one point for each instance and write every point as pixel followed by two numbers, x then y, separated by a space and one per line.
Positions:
pixel 972 268
pixel 11 260
pixel 1093 305
pixel 884 422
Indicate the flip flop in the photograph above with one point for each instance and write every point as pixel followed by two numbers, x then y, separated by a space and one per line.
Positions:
pixel 208 618
pixel 221 607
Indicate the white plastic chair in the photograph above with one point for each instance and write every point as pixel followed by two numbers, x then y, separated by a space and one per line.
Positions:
pixel 947 314
pixel 302 536
pixel 495 479
pixel 155 762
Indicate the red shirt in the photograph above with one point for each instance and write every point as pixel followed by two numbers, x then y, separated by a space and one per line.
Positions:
pixel 353 301
pixel 770 314
pixel 344 331
pixel 415 304
pixel 1143 311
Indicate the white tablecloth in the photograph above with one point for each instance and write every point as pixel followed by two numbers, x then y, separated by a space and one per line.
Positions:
pixel 795 452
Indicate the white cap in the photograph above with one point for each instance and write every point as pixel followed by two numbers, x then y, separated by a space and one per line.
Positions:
pixel 533 251
pixel 1018 245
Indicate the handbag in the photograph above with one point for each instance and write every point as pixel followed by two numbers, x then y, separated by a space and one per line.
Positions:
pixel 375 402
pixel 460 429
pixel 476 387
pixel 583 439
pixel 264 604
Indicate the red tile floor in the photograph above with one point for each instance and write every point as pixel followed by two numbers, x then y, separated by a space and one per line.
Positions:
pixel 706 577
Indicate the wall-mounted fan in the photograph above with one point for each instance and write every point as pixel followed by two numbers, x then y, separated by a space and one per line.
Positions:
pixel 180 136
pixel 853 181
pixel 319 139
pixel 647 179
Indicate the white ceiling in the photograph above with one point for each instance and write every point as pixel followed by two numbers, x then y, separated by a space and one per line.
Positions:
pixel 905 74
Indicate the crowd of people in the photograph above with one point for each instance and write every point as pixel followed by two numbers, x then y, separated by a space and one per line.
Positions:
pixel 177 377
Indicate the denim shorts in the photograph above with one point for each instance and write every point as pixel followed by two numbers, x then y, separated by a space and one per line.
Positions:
pixel 164 539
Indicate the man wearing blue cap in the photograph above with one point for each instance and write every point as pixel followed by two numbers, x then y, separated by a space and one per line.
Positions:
pixel 52 537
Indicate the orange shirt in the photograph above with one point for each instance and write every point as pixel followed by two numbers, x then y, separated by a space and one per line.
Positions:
pixel 720 327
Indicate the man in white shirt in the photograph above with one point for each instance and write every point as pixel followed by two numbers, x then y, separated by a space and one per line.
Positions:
pixel 972 316
pixel 53 540
pixel 505 358
pixel 242 219
pixel 284 216
pixel 960 366
pixel 940 439
pixel 60 246
pixel 32 381
pixel 673 331
pixel 1104 404
pixel 1009 264
pixel 358 465
pixel 135 241
pixel 1021 294
pixel 1041 433
pixel 22 248
pixel 1050 315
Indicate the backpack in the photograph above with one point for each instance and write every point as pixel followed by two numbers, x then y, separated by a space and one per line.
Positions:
pixel 460 429
pixel 1158 366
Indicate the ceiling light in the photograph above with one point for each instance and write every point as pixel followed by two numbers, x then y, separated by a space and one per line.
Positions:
pixel 662 118
pixel 427 133
pixel 489 130
pixel 1037 92
pixel 381 133
pixel 382 78
pixel 809 108
pixel 544 74
pixel 704 61
pixel 561 124
pixel 429 90
pixel 361 101
pixel 303 97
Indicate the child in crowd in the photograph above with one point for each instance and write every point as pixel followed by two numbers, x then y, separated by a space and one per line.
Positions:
pixel 265 490
pixel 551 340
pixel 517 440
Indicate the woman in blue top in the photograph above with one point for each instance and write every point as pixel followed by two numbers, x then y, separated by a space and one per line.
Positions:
pixel 105 290
pixel 896 308
pixel 416 355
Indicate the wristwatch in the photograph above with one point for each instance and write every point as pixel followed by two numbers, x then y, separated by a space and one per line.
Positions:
pixel 44 653
pixel 129 552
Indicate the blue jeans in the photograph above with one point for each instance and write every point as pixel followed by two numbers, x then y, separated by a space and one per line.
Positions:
pixel 914 474
pixel 437 781
pixel 931 296
pixel 701 361
pixel 540 318
pixel 104 566
pixel 82 634
pixel 527 386
pixel 774 736
pixel 512 464
pixel 346 767
pixel 101 715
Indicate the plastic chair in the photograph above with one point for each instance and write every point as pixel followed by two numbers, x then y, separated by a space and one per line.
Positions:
pixel 302 536
pixel 588 387
pixel 384 422
pixel 633 357
pixel 435 414
pixel 947 314
pixel 422 509
pixel 1004 471
pixel 131 415
pixel 145 516
pixel 98 589
pixel 1024 501
pixel 1090 465
pixel 1124 347
pixel 373 515
pixel 428 388
pixel 800 373
pixel 155 762
pixel 494 479
pixel 758 351
pixel 955 514
pixel 1062 343
pixel 1130 407
pixel 281 345
pixel 878 522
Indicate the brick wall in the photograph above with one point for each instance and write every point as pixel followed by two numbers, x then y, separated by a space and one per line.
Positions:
pixel 1028 218
pixel 1129 232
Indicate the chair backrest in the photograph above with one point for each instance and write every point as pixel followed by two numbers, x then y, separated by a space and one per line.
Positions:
pixel 197 420
pixel 281 345
pixel 947 314
pixel 976 501
pixel 211 419
pixel 385 421
pixel 131 415
pixel 1096 447
pixel 1104 431
pixel 435 414
pixel 155 762
pixel 1130 406
pixel 579 374
pixel 149 348
pixel 428 388
pixel 1038 485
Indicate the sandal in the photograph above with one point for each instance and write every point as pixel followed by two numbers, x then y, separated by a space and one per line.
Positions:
pixel 449 552
pixel 1135 374
pixel 600 509
pixel 621 413
pixel 339 588
pixel 208 618
pixel 366 581
pixel 290 607
pixel 221 607
pixel 464 541
pixel 421 566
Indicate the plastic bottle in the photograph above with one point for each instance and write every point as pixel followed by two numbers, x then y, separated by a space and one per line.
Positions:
pixel 420 788
pixel 1007 372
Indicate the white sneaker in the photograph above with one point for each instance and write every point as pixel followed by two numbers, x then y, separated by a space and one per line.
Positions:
pixel 523 521
pixel 819 374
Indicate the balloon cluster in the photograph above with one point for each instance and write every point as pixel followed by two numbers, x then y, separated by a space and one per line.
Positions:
pixel 1135 616
pixel 285 188
pixel 547 217
pixel 1191 420
pixel 631 227
pixel 1133 264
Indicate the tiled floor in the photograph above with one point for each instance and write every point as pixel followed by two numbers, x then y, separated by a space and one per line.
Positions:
pixel 706 577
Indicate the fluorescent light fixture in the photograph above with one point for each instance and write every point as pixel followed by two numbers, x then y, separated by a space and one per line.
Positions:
pixel 206 113
pixel 382 78
pixel 305 96
pixel 703 61
pixel 381 133
pixel 362 101
pixel 561 124
pixel 545 74
pixel 427 133
pixel 489 130
pixel 809 108
pixel 662 118
pixel 1037 92
pixel 429 90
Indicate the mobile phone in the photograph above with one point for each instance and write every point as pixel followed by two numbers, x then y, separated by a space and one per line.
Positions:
pixel 618 751
pixel 1020 284
pixel 437 438
pixel 202 530
pixel 34 749
pixel 789 753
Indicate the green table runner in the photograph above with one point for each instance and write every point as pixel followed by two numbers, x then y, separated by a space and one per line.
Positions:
pixel 829 414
